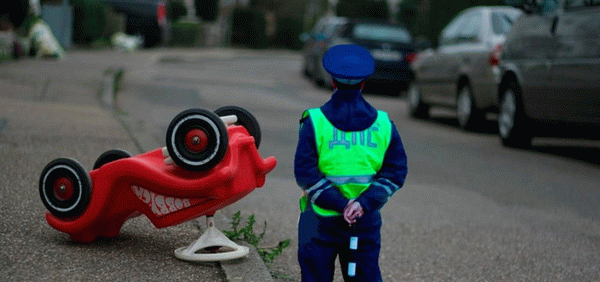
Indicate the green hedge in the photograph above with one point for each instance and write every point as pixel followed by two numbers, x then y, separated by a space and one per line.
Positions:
pixel 288 32
pixel 249 28
pixel 89 21
pixel 187 34
pixel 176 10
pixel 207 10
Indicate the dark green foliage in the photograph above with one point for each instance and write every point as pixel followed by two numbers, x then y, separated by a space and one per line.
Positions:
pixel 89 21
pixel 428 18
pixel 187 34
pixel 249 28
pixel 14 11
pixel 176 10
pixel 207 10
pixel 247 234
pixel 369 9
pixel 288 33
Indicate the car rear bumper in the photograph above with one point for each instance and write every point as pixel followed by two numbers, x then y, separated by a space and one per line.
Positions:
pixel 398 73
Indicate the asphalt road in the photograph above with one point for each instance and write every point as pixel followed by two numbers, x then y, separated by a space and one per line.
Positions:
pixel 470 209
pixel 49 109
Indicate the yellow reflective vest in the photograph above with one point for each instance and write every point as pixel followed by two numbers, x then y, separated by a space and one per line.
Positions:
pixel 349 159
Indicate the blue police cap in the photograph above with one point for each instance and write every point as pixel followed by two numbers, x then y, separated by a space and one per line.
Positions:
pixel 349 63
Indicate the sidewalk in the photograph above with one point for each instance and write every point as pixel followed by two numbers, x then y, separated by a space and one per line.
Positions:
pixel 51 109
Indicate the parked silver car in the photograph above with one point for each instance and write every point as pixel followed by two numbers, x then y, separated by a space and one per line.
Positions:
pixel 462 72
pixel 550 71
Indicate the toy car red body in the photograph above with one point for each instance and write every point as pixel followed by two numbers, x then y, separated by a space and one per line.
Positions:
pixel 215 165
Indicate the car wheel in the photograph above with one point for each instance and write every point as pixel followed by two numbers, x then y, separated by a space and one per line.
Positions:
pixel 416 107
pixel 512 122
pixel 468 115
pixel 65 188
pixel 197 139
pixel 245 119
pixel 305 70
pixel 111 156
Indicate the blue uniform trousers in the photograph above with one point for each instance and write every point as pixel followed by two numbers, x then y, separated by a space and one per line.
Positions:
pixel 322 239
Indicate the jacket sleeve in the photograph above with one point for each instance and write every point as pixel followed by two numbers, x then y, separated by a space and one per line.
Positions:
pixel 308 176
pixel 390 177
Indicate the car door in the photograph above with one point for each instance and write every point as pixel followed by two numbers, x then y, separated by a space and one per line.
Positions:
pixel 576 66
pixel 437 73
pixel 459 57
pixel 530 47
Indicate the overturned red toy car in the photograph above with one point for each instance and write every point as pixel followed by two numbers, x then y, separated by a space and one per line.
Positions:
pixel 210 161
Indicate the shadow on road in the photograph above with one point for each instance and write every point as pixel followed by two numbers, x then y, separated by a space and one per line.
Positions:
pixel 577 149
pixel 586 151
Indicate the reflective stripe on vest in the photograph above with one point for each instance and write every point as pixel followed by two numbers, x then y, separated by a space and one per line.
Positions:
pixel 349 159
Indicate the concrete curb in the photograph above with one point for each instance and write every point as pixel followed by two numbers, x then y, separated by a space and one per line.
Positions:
pixel 248 269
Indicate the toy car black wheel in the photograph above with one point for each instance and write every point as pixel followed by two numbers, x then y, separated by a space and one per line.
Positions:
pixel 197 139
pixel 111 156
pixel 65 188
pixel 245 119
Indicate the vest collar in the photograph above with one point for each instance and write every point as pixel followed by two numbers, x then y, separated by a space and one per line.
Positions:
pixel 349 111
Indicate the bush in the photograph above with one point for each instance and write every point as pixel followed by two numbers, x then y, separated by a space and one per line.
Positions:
pixel 187 34
pixel 288 33
pixel 362 9
pixel 15 11
pixel 249 28
pixel 89 21
pixel 176 10
pixel 207 10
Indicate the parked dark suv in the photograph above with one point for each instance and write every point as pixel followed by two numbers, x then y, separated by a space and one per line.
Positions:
pixel 550 72
pixel 391 45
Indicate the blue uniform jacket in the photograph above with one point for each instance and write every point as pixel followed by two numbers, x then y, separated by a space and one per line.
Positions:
pixel 349 111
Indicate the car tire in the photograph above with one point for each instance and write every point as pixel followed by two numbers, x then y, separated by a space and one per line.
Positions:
pixel 318 79
pixel 65 188
pixel 468 115
pixel 513 124
pixel 416 107
pixel 245 119
pixel 305 71
pixel 111 156
pixel 197 139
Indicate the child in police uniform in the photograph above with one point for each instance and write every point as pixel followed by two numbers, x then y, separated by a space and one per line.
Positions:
pixel 349 161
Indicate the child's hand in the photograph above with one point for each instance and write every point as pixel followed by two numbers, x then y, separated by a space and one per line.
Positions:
pixel 352 211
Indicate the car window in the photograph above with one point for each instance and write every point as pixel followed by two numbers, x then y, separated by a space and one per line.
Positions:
pixel 463 29
pixel 319 26
pixel 469 29
pixel 382 33
pixel 451 30
pixel 502 21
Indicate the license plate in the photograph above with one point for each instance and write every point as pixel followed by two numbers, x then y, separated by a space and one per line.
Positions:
pixel 386 55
